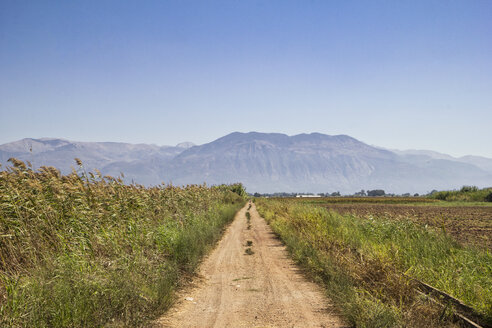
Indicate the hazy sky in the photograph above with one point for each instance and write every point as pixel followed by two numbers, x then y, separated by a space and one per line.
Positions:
pixel 397 74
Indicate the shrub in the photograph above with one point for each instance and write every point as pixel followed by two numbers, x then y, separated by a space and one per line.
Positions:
pixel 469 189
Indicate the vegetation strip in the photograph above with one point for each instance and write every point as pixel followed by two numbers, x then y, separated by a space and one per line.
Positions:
pixel 468 223
pixel 84 250
pixel 466 193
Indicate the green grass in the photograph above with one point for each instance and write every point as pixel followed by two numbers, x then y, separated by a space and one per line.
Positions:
pixel 88 251
pixel 361 263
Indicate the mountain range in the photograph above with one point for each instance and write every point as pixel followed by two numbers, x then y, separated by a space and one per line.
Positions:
pixel 263 162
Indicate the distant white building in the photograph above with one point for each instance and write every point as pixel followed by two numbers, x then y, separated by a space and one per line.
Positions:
pixel 308 196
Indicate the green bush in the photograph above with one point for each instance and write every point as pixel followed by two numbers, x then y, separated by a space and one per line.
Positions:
pixel 466 193
pixel 469 189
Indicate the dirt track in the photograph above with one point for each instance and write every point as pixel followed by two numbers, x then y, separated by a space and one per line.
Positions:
pixel 264 289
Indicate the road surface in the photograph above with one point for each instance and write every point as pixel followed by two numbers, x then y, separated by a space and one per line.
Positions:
pixel 264 289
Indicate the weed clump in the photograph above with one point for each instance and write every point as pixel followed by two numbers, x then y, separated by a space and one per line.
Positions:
pixel 249 251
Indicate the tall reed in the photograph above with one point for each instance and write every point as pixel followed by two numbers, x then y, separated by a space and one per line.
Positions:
pixel 87 250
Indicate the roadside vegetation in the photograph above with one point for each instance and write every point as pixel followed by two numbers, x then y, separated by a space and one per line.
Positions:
pixel 466 193
pixel 84 250
pixel 366 264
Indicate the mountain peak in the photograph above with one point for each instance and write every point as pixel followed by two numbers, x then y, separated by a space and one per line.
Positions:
pixel 281 137
pixel 34 145
pixel 185 145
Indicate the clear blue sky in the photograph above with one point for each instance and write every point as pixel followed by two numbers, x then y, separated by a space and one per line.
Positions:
pixel 397 74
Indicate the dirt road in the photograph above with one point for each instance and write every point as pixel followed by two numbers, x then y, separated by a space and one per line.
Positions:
pixel 264 289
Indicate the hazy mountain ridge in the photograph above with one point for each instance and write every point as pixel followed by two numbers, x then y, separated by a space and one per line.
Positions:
pixel 479 161
pixel 264 162
pixel 136 161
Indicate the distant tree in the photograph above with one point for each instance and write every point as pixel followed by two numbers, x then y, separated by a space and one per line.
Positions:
pixel 335 194
pixel 238 188
pixel 257 194
pixel 416 195
pixel 361 193
pixel 375 192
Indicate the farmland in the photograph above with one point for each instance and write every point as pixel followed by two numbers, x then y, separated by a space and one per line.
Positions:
pixel 365 252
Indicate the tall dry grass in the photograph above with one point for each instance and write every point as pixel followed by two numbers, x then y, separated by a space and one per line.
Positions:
pixel 83 250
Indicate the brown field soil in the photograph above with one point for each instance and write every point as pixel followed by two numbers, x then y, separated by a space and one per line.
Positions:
pixel 257 288
pixel 470 225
